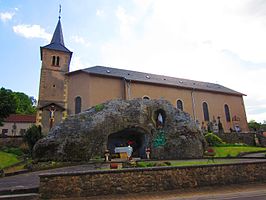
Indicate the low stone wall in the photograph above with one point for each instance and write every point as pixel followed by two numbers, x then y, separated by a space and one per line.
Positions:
pixel 247 138
pixel 262 140
pixel 104 182
pixel 11 141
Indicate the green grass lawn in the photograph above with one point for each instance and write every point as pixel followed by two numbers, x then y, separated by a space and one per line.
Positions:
pixel 220 152
pixel 7 159
pixel 198 162
pixel 183 162
pixel 234 151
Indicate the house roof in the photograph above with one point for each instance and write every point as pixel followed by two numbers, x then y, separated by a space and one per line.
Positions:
pixel 57 42
pixel 18 118
pixel 158 79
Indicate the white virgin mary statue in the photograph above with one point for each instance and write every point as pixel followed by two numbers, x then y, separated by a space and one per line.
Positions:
pixel 160 118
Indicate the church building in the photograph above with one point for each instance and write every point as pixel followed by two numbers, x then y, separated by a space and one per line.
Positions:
pixel 63 93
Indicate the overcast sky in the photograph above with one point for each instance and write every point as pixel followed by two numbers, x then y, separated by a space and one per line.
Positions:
pixel 218 41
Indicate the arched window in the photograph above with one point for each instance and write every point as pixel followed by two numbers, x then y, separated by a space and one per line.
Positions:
pixel 77 105
pixel 179 104
pixel 53 60
pixel 205 111
pixel 146 97
pixel 227 113
pixel 57 61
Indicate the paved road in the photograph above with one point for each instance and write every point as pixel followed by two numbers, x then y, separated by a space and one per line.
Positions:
pixel 232 192
pixel 255 155
pixel 32 181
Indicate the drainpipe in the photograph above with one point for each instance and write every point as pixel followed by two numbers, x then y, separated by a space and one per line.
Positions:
pixel 127 89
pixel 193 104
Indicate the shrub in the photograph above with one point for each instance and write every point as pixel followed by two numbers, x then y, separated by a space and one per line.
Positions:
pixel 32 135
pixel 213 139
pixel 99 107
pixel 168 163
pixel 13 150
pixel 141 164
pixel 24 148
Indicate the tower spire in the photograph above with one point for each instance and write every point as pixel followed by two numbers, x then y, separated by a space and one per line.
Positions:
pixel 58 34
pixel 57 42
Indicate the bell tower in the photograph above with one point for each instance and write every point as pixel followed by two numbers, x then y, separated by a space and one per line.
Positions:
pixel 55 61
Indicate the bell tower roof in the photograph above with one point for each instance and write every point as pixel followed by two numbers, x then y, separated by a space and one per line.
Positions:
pixel 58 34
pixel 57 42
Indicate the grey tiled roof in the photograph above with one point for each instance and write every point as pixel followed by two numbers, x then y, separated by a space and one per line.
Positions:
pixel 57 47
pixel 159 79
pixel 57 42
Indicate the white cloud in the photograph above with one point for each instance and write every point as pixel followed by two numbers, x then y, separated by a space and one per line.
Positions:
pixel 6 16
pixel 32 31
pixel 100 13
pixel 143 4
pixel 126 22
pixel 188 39
pixel 80 40
pixel 77 63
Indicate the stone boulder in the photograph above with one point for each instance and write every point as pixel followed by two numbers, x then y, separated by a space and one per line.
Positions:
pixel 168 132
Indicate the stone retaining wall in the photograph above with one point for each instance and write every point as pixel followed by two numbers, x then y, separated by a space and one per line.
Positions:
pixel 11 141
pixel 92 183
pixel 262 140
pixel 247 138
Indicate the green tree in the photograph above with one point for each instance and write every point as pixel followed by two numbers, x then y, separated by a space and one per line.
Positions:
pixel 8 104
pixel 263 126
pixel 25 104
pixel 254 126
pixel 32 135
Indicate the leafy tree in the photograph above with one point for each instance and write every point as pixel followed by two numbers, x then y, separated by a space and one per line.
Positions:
pixel 32 135
pixel 263 126
pixel 15 102
pixel 254 126
pixel 25 104
pixel 8 104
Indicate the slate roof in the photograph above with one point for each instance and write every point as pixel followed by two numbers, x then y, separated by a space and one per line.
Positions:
pixel 158 79
pixel 18 118
pixel 57 42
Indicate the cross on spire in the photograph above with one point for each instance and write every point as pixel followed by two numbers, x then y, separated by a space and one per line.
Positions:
pixel 59 11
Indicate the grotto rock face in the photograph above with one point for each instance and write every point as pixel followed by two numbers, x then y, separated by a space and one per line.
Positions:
pixel 155 124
